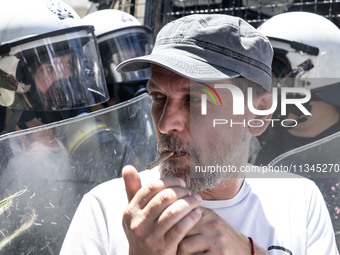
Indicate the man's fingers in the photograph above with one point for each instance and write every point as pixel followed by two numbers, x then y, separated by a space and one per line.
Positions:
pixel 133 185
pixel 164 199
pixel 207 216
pixel 178 210
pixel 148 191
pixel 179 230
pixel 131 180
pixel 196 244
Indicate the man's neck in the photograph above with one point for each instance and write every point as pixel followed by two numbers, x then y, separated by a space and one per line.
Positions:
pixel 225 190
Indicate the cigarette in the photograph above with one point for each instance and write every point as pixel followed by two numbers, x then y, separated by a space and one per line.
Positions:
pixel 160 160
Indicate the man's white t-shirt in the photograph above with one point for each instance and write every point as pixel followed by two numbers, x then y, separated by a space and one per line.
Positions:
pixel 282 215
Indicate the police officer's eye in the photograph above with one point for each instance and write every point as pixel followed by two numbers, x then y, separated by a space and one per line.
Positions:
pixel 69 63
pixel 48 68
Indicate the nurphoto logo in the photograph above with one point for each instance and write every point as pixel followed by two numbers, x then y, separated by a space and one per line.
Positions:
pixel 239 104
pixel 204 98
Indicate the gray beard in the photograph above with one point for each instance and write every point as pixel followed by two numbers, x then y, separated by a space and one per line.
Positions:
pixel 197 182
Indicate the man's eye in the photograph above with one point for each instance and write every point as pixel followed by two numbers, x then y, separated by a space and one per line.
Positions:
pixel 157 96
pixel 195 99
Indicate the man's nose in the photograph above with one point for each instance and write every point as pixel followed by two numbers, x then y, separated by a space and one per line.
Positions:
pixel 175 117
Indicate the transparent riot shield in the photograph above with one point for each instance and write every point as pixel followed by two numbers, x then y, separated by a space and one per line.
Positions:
pixel 53 166
pixel 319 161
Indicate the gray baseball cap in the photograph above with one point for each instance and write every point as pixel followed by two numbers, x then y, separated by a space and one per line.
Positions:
pixel 208 48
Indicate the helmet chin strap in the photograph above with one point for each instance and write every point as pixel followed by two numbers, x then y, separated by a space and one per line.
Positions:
pixel 294 110
pixel 290 108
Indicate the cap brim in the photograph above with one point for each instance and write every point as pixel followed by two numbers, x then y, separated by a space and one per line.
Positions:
pixel 186 66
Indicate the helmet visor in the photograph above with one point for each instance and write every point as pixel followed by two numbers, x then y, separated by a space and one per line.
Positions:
pixel 293 78
pixel 123 44
pixel 55 71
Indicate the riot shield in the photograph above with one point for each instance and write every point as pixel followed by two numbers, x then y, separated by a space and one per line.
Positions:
pixel 319 161
pixel 54 165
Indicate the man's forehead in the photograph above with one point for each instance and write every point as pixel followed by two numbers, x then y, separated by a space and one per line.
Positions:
pixel 154 84
pixel 161 77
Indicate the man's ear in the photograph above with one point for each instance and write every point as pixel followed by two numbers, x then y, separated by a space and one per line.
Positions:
pixel 261 102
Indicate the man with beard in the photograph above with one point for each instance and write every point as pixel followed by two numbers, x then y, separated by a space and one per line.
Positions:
pixel 198 212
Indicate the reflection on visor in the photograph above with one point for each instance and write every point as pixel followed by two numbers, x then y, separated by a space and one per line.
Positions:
pixel 61 162
pixel 293 78
pixel 9 82
pixel 57 85
pixel 121 45
pixel 62 72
